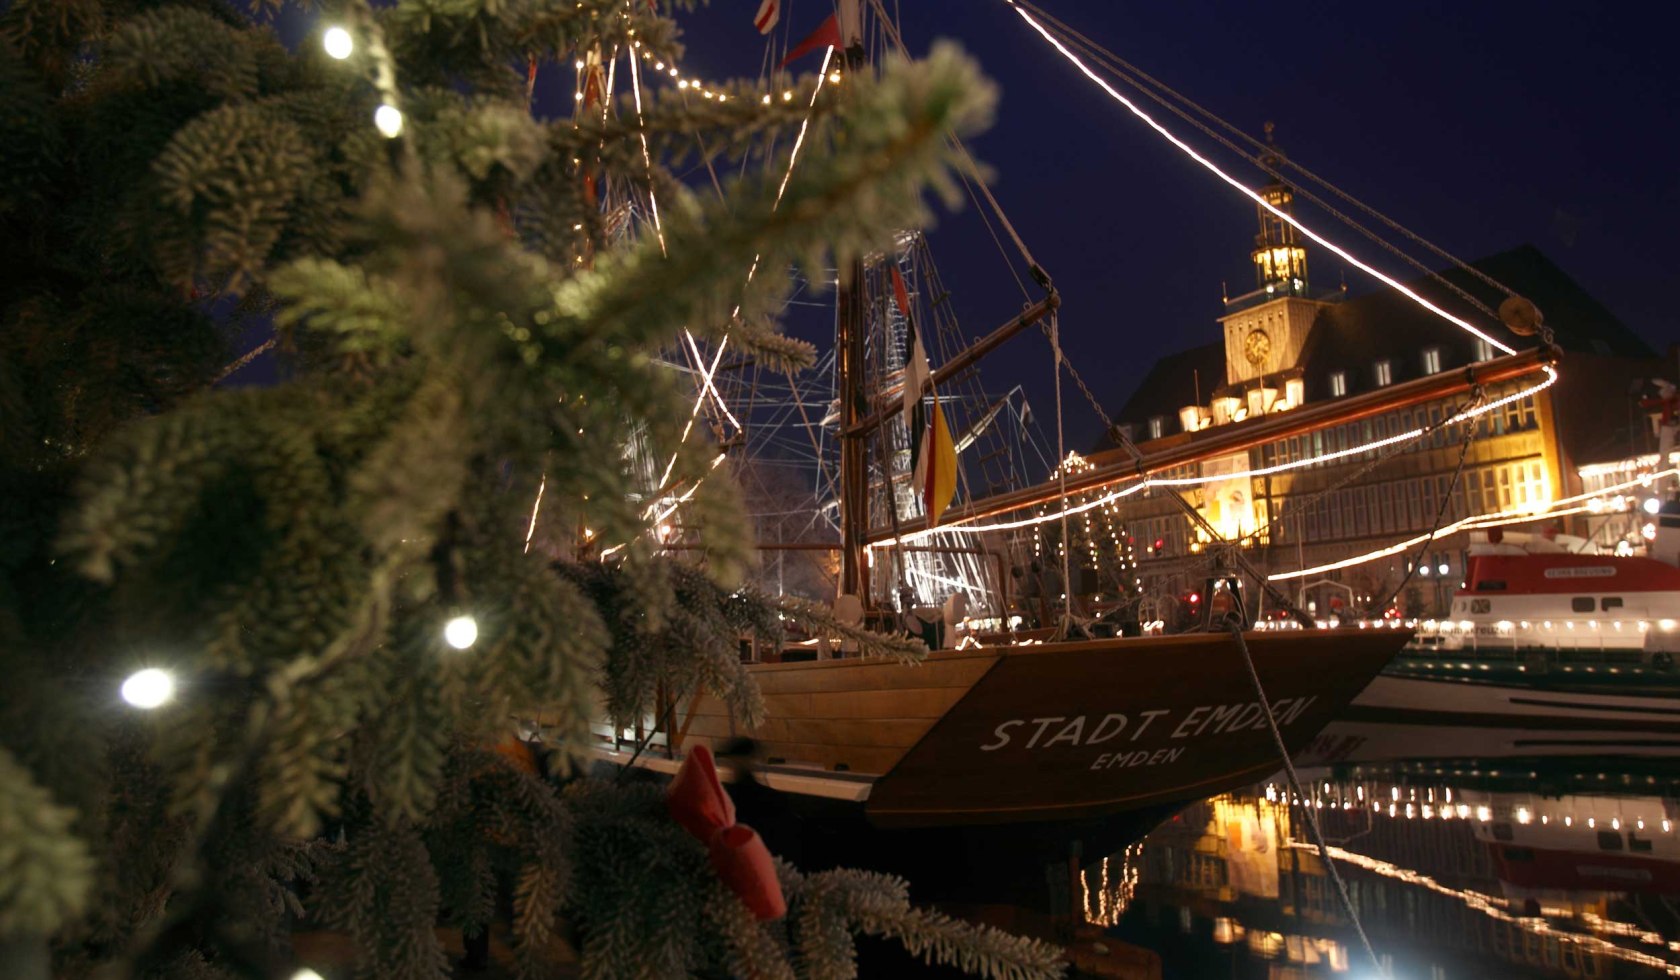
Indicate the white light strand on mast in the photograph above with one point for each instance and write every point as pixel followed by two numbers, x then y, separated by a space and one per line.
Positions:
pixel 1247 192
pixel 647 158
pixel 793 155
pixel 708 374
pixel 960 527
pixel 531 528
pixel 793 158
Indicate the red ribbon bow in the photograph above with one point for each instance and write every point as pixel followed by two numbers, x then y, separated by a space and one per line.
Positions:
pixel 697 801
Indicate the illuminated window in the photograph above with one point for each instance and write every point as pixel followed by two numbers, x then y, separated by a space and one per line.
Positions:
pixel 1432 361
pixel 1385 372
pixel 1484 350
pixel 1155 427
pixel 1338 384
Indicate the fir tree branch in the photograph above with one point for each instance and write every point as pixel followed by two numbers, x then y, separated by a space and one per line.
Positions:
pixel 45 869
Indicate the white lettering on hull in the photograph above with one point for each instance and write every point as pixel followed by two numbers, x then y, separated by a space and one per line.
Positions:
pixel 1054 731
pixel 1142 757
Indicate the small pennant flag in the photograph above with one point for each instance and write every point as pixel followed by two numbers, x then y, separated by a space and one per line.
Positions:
pixel 931 450
pixel 769 12
pixel 827 35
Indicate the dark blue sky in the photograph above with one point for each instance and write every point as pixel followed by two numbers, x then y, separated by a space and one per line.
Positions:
pixel 1480 126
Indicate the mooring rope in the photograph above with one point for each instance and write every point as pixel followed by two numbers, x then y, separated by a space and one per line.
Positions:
pixel 1295 790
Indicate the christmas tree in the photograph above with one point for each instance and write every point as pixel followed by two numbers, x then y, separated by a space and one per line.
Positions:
pixel 260 641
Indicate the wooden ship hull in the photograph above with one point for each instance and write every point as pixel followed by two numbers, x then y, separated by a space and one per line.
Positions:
pixel 1041 733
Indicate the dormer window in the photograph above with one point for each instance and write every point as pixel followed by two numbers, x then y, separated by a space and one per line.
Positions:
pixel 1484 350
pixel 1338 384
pixel 1432 361
pixel 1155 426
pixel 1384 372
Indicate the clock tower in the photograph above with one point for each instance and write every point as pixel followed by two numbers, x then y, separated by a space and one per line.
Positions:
pixel 1266 329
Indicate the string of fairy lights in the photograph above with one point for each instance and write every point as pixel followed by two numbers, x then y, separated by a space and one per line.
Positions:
pixel 963 525
pixel 1248 192
pixel 1563 507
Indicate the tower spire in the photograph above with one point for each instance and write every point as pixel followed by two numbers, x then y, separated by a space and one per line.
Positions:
pixel 1280 261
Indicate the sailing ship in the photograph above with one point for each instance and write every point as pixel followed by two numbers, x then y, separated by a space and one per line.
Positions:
pixel 1016 739
pixel 1017 743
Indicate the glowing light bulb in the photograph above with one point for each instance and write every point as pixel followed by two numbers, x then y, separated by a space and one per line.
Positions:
pixel 388 119
pixel 461 632
pixel 149 688
pixel 338 42
pixel 307 974
pixel 1652 505
pixel 787 96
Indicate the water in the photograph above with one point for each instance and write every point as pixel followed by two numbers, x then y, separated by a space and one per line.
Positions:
pixel 1521 865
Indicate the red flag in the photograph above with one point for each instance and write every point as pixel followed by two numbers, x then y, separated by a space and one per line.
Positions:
pixel 827 35
pixel 768 13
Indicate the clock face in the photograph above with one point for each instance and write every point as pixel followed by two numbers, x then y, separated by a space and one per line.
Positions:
pixel 1256 346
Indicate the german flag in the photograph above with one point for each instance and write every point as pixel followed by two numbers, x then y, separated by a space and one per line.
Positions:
pixel 931 449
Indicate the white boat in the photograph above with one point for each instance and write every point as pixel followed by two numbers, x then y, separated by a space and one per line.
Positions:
pixel 1558 648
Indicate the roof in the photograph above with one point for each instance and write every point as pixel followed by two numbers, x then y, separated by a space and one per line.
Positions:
pixel 1185 378
pixel 1353 336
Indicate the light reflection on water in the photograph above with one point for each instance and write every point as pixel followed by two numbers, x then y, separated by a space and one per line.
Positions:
pixel 1516 868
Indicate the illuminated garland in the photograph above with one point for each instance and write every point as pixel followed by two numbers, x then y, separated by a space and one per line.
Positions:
pixel 1098 544
pixel 1250 194
pixel 707 373
pixel 961 527
pixel 1496 519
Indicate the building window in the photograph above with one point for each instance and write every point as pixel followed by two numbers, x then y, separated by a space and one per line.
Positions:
pixel 1484 350
pixel 1432 361
pixel 1155 427
pixel 1338 384
pixel 1385 373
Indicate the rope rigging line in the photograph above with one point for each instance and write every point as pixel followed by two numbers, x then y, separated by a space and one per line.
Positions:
pixel 971 167
pixel 1247 192
pixel 1384 455
pixel 1440 512
pixel 1131 73
pixel 1053 331
pixel 1295 787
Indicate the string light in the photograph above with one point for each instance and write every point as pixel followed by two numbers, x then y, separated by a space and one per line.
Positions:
pixel 1477 522
pixel 388 119
pixel 1250 194
pixel 338 42
pixel 461 632
pixel 150 688
pixel 535 507
pixel 752 270
pixel 961 527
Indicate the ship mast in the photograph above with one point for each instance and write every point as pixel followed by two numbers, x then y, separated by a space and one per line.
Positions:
pixel 852 316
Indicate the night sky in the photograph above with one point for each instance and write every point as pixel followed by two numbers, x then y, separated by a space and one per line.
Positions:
pixel 1480 126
